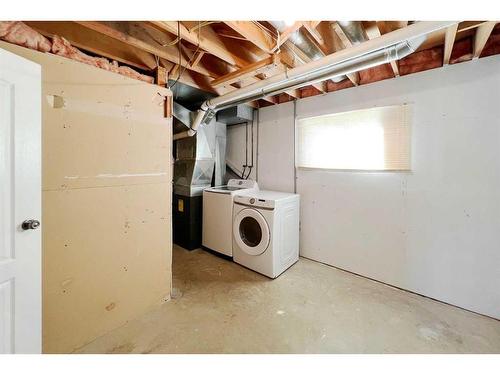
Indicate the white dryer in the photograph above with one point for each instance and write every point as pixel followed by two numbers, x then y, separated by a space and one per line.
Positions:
pixel 266 231
pixel 218 214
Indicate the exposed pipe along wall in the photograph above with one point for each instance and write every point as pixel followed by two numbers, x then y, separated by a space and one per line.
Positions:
pixel 241 158
pixel 389 47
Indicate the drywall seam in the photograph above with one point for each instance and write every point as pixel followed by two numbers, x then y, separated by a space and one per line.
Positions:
pixel 100 108
pixel 110 175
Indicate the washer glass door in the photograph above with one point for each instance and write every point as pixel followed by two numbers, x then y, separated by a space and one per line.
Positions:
pixel 251 231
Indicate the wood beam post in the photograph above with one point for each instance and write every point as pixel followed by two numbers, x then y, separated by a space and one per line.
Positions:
pixel 482 34
pixel 449 40
pixel 161 76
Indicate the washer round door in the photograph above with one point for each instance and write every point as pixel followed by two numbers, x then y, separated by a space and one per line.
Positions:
pixel 251 231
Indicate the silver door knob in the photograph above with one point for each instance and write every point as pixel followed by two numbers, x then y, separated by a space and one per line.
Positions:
pixel 30 224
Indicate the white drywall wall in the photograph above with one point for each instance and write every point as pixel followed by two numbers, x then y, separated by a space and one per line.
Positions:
pixel 435 230
pixel 275 148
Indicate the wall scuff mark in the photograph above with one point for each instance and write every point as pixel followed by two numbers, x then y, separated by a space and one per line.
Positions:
pixel 109 175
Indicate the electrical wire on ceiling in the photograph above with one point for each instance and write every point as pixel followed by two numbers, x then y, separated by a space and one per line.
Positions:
pixel 275 36
pixel 232 36
pixel 179 47
pixel 278 50
pixel 175 41
pixel 272 34
pixel 202 24
pixel 194 28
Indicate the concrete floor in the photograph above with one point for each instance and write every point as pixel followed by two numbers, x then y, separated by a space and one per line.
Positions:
pixel 220 307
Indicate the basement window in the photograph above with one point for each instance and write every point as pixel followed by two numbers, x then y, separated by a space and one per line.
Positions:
pixel 374 139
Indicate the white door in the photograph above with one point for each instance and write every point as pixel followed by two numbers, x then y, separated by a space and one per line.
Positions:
pixel 20 200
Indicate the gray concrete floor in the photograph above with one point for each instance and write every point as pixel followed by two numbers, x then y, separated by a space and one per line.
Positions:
pixel 220 307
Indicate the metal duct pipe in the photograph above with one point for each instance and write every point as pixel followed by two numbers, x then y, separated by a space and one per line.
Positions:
pixel 300 41
pixel 304 44
pixel 354 31
pixel 356 34
pixel 386 48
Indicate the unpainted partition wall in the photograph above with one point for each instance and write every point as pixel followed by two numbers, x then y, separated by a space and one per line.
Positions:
pixel 106 199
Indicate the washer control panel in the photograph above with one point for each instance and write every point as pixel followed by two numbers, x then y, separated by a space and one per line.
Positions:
pixel 254 202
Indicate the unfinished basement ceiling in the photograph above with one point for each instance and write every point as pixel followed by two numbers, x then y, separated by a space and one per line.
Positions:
pixel 220 56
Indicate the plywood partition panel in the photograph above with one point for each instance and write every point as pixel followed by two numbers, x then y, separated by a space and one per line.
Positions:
pixel 106 200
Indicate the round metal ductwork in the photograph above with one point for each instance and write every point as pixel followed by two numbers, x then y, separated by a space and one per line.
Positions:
pixel 389 47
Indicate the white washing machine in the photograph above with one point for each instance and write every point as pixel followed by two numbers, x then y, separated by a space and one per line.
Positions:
pixel 266 231
pixel 218 214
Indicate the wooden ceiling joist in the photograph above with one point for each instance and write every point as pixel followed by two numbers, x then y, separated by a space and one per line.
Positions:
pixel 204 39
pixel 373 31
pixel 157 50
pixel 197 58
pixel 94 42
pixel 253 33
pixel 271 99
pixel 294 93
pixel 315 36
pixel 395 68
pixel 305 59
pixel 286 34
pixel 449 40
pixel 482 34
pixel 208 56
pixel 247 71
pixel 174 71
pixel 353 77
pixel 208 41
pixel 388 26
pixel 469 25
pixel 319 86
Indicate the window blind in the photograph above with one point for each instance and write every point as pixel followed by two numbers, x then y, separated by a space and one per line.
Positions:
pixel 368 139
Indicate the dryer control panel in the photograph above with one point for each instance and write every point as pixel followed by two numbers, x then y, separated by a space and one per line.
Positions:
pixel 254 201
